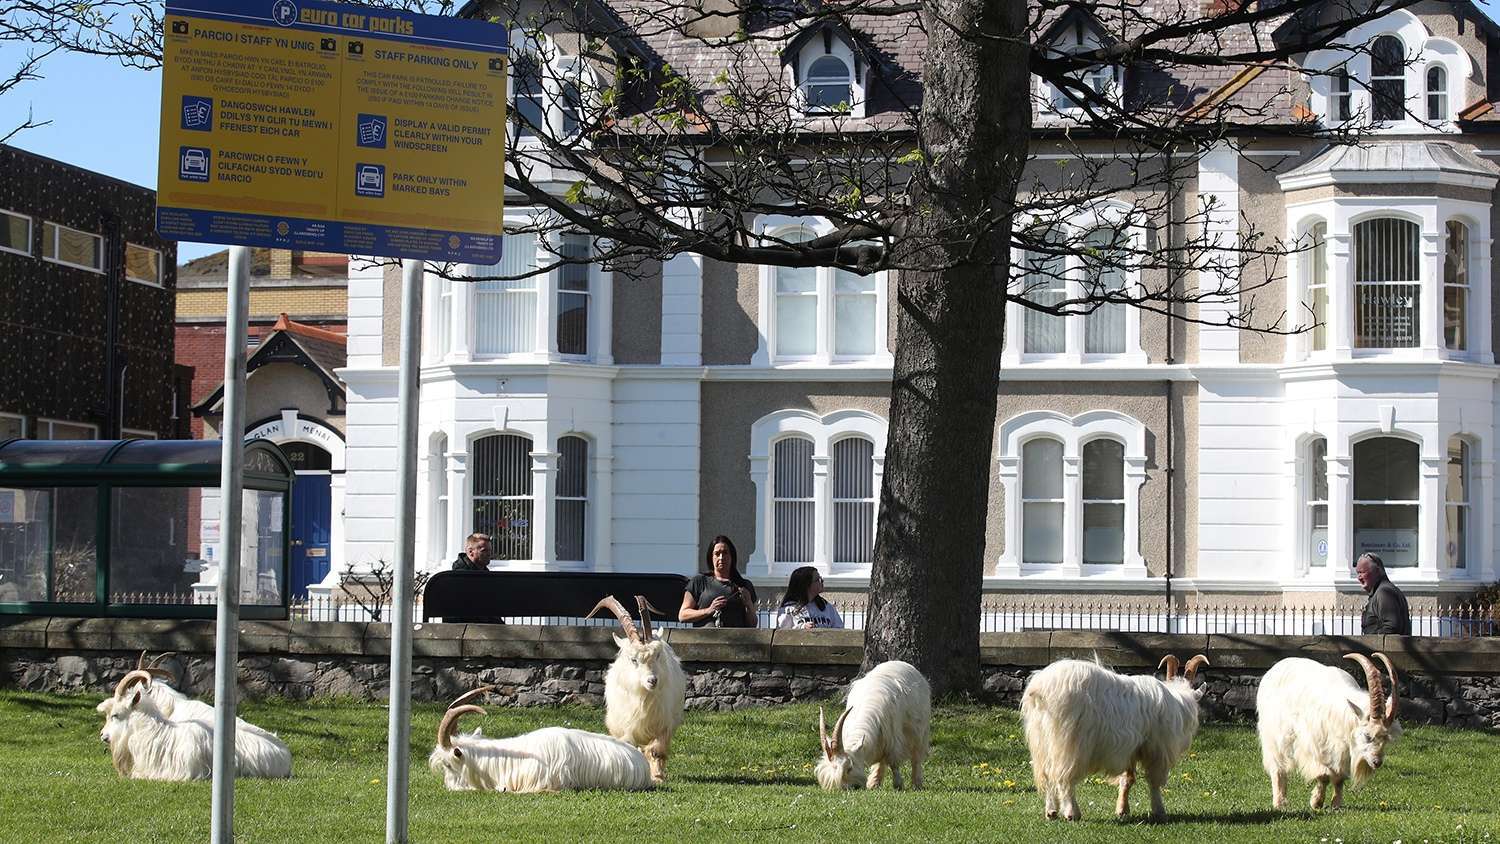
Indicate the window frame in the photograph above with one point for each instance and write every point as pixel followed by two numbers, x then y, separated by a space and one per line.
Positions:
pixel 833 496
pixel 48 426
pixel 30 233
pixel 554 68
pixel 19 417
pixel 1415 504
pixel 778 500
pixel 1464 288
pixel 1315 279
pixel 1307 489
pixel 586 512
pixel 160 281
pixel 57 229
pixel 1464 546
pixel 1376 100
pixel 1061 501
pixel 474 498
pixel 797 75
pixel 1436 101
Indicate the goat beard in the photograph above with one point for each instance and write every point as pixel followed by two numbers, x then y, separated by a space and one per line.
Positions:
pixel 1362 771
pixel 119 753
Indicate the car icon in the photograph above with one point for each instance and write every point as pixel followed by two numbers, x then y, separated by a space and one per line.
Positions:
pixel 369 177
pixel 195 161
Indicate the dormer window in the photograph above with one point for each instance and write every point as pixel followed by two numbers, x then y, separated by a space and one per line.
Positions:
pixel 1100 79
pixel 546 89
pixel 1400 78
pixel 1437 94
pixel 1343 102
pixel 1388 78
pixel 1078 32
pixel 827 74
pixel 828 85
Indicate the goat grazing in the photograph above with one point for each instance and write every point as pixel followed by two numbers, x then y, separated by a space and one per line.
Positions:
pixel 645 688
pixel 549 759
pixel 1316 720
pixel 1081 718
pixel 886 721
pixel 145 745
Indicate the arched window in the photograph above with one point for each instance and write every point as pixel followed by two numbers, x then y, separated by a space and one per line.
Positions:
pixel 1103 502
pixel 1042 501
pixel 796 305
pixel 1387 284
pixel 437 493
pixel 1104 272
pixel 793 501
pixel 1437 94
pixel 828 84
pixel 1456 494
pixel 1388 78
pixel 572 499
pixel 1456 287
pixel 853 501
pixel 505 311
pixel 1387 481
pixel 1343 97
pixel 502 494
pixel 1316 486
pixel 1316 273
pixel 1045 283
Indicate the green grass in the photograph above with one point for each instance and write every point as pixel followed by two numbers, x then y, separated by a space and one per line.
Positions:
pixel 736 776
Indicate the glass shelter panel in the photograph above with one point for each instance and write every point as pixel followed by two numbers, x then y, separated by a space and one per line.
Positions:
pixel 47 547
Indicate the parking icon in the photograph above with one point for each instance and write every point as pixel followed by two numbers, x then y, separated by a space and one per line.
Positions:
pixel 193 163
pixel 369 180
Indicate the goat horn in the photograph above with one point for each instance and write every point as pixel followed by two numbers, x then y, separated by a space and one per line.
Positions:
pixel 130 679
pixel 823 734
pixel 156 660
pixel 1172 663
pixel 140 661
pixel 450 720
pixel 1373 682
pixel 611 603
pixel 471 695
pixel 1391 703
pixel 641 605
pixel 162 673
pixel 838 731
pixel 1190 671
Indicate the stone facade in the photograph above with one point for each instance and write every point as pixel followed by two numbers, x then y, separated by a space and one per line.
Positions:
pixel 1451 682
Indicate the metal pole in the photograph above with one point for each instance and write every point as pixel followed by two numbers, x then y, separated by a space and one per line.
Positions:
pixel 398 768
pixel 231 484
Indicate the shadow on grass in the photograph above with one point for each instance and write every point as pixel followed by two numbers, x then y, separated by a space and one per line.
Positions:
pixel 56 705
pixel 725 779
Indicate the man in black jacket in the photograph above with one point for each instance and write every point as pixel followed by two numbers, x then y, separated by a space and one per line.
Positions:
pixel 476 555
pixel 1386 611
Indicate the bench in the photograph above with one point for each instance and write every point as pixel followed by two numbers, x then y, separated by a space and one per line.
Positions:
pixel 489 597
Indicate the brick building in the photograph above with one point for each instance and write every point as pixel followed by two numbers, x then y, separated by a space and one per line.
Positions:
pixel 86 298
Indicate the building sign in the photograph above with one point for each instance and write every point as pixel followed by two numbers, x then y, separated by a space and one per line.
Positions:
pixel 298 124
pixel 1396 546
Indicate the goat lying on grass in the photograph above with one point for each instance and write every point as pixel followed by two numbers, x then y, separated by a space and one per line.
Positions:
pixel 645 688
pixel 549 759
pixel 1315 719
pixel 886 721
pixel 173 704
pixel 1081 718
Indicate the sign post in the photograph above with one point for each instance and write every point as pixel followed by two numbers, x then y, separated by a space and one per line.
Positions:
pixel 304 125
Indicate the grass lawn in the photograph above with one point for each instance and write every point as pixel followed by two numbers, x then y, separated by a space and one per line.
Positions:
pixel 739 776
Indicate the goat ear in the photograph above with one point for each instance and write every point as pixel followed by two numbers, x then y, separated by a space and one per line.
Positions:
pixel 104 705
pixel 620 641
pixel 135 699
pixel 1357 711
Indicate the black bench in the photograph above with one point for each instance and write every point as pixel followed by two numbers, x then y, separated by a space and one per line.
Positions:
pixel 487 597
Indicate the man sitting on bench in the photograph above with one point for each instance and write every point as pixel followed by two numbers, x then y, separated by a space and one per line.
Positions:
pixel 476 555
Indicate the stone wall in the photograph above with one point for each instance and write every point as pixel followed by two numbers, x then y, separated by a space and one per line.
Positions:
pixel 1454 682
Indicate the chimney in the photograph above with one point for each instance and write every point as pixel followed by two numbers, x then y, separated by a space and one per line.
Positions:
pixel 711 18
pixel 281 263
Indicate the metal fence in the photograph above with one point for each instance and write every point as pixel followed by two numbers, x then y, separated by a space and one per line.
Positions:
pixel 1456 621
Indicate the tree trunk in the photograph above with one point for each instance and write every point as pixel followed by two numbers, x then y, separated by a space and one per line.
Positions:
pixel 929 547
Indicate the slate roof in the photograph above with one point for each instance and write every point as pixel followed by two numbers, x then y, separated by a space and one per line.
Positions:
pixel 316 349
pixel 1394 156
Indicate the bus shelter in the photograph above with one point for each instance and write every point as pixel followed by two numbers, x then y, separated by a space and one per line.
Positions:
pixel 109 527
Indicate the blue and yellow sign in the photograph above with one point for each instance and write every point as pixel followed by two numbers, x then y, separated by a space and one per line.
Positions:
pixel 334 128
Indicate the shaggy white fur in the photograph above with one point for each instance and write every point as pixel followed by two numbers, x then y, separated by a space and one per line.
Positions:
pixel 549 759
pixel 886 722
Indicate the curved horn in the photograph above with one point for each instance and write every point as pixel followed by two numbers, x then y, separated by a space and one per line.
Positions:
pixel 1392 704
pixel 162 673
pixel 1372 681
pixel 1172 663
pixel 471 695
pixel 611 603
pixel 838 731
pixel 642 611
pixel 156 660
pixel 130 679
pixel 823 734
pixel 140 661
pixel 450 720
pixel 1190 671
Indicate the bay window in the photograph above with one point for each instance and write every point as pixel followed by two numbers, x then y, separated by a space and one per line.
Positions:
pixel 1456 286
pixel 1387 482
pixel 502 498
pixel 505 311
pixel 1316 273
pixel 1387 284
pixel 573 296
pixel 572 498
pixel 1456 510
pixel 1316 486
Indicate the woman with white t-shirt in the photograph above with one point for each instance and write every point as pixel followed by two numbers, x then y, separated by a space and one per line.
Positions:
pixel 803 607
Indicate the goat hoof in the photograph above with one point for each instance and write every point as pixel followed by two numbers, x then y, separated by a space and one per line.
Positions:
pixel 1051 814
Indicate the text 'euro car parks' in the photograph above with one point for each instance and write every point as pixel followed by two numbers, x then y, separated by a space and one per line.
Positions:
pixel 332 128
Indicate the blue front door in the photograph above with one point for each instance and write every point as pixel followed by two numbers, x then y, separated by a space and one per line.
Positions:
pixel 310 520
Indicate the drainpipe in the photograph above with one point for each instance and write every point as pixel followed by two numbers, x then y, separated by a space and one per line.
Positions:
pixel 114 276
pixel 1171 462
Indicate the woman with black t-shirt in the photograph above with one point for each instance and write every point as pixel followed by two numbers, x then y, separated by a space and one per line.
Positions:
pixel 721 597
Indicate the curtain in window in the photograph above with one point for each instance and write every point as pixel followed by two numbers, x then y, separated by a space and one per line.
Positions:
pixel 1386 494
pixel 792 500
pixel 1041 502
pixel 1456 287
pixel 1317 503
pixel 1044 284
pixel 505 311
pixel 1104 329
pixel 1103 502
pixel 1456 493
pixel 573 297
pixel 502 494
pixel 853 501
pixel 572 498
pixel 1387 284
pixel 1388 78
pixel 854 313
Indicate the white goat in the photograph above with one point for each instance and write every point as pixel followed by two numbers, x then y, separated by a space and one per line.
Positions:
pixel 645 688
pixel 173 705
pixel 145 745
pixel 1082 718
pixel 1316 720
pixel 549 759
pixel 886 721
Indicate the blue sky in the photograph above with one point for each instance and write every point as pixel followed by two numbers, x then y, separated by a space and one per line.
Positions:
pixel 104 117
